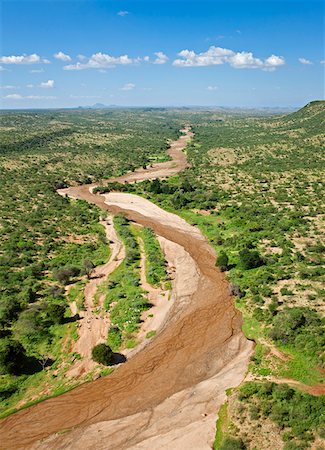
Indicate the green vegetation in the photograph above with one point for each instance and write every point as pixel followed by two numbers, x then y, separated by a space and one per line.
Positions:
pixel 230 443
pixel 222 261
pixel 255 189
pixel 151 334
pixel 300 417
pixel 125 298
pixel 221 423
pixel 102 354
pixel 260 182
pixel 155 260
pixel 49 243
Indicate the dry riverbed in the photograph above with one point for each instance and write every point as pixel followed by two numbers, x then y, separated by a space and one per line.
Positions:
pixel 168 394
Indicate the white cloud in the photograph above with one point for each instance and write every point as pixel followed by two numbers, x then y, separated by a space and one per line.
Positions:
pixel 81 57
pixel 23 59
pixel 304 61
pixel 30 86
pixel 128 87
pixel 123 13
pixel 9 86
pixel 146 58
pixel 161 58
pixel 62 56
pixel 13 96
pixel 47 84
pixel 245 60
pixel 322 61
pixel 28 97
pixel 213 56
pixel 218 55
pixel 2 69
pixel 212 88
pixel 36 71
pixel 274 61
pixel 102 61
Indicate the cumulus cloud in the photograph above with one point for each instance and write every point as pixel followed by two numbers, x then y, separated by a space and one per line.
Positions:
pixel 274 61
pixel 102 61
pixel 128 87
pixel 212 88
pixel 161 58
pixel 28 97
pixel 244 60
pixel 62 56
pixel 218 55
pixel 213 56
pixel 304 61
pixel 123 13
pixel 47 84
pixel 23 59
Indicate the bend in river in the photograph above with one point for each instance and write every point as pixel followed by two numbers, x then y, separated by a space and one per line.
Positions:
pixel 168 394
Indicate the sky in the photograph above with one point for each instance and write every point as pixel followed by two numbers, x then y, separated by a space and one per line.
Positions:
pixel 239 53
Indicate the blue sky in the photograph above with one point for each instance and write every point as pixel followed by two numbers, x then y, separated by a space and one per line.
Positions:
pixel 213 53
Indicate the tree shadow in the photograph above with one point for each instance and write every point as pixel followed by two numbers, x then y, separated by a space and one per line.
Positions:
pixel 30 365
pixel 95 277
pixel 74 318
pixel 117 358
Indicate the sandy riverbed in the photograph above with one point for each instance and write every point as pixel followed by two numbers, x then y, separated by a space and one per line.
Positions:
pixel 167 395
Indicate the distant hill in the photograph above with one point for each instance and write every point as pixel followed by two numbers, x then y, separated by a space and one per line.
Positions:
pixel 96 106
pixel 310 117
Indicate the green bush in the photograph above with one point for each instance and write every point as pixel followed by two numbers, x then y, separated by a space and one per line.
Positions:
pixel 250 259
pixel 102 354
pixel 298 413
pixel 230 443
pixel 302 329
pixel 223 261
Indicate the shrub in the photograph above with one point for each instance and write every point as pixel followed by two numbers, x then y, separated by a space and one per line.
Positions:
pixel 55 312
pixel 87 267
pixel 222 261
pixel 295 324
pixel 230 443
pixel 102 354
pixel 64 275
pixel 250 259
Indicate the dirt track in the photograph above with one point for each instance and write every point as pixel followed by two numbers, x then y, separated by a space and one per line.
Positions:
pixel 167 395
